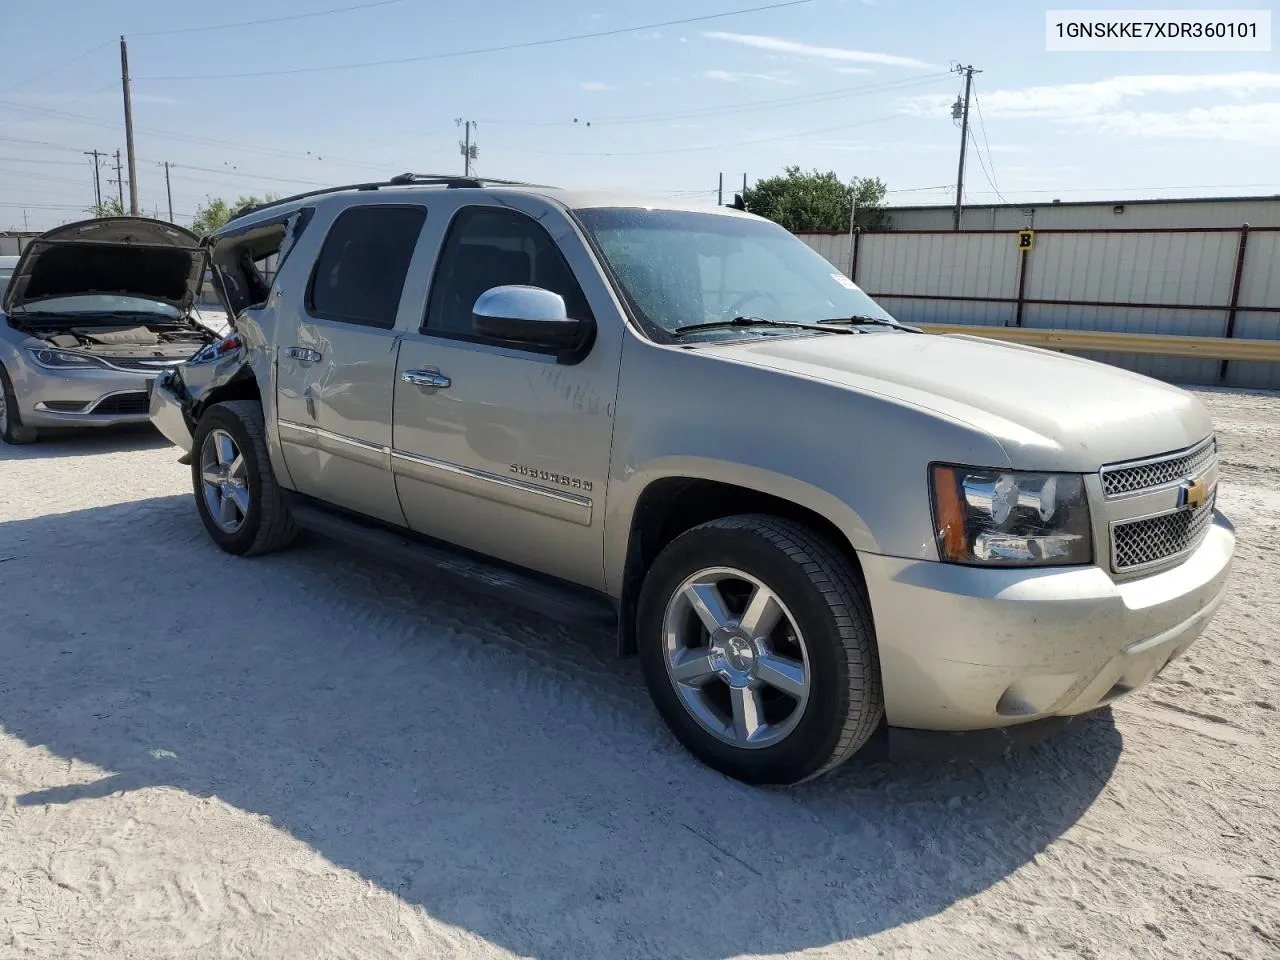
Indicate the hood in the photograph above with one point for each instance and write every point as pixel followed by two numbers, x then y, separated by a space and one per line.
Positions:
pixel 121 256
pixel 1049 411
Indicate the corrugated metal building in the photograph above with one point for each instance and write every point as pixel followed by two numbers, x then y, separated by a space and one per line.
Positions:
pixel 13 242
pixel 1182 268
pixel 1097 214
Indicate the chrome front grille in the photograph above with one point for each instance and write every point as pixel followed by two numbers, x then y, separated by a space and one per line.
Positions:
pixel 140 365
pixel 1143 475
pixel 1150 540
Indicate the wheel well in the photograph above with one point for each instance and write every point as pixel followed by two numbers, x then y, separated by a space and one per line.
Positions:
pixel 669 507
pixel 244 386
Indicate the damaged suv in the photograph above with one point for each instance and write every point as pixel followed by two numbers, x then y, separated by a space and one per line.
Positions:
pixel 810 522
pixel 93 311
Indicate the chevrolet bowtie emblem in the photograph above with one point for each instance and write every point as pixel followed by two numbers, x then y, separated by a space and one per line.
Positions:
pixel 1193 493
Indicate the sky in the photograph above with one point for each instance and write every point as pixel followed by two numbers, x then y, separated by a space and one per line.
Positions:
pixel 861 87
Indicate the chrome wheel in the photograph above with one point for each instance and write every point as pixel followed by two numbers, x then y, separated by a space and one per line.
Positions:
pixel 224 480
pixel 736 657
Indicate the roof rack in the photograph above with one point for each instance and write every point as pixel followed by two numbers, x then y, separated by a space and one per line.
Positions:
pixel 451 181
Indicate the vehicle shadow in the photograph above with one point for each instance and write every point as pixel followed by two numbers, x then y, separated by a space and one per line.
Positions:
pixel 501 772
pixel 87 442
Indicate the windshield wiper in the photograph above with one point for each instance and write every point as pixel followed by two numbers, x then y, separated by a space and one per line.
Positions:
pixel 752 322
pixel 862 319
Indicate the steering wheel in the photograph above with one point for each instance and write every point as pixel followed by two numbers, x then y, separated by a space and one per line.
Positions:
pixel 736 309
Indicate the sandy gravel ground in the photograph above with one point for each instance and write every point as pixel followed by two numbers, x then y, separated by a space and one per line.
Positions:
pixel 316 755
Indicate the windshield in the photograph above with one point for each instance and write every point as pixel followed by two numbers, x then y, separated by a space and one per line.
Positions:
pixel 679 268
pixel 97 303
pixel 5 274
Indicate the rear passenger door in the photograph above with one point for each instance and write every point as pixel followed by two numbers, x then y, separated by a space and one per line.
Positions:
pixel 508 452
pixel 336 360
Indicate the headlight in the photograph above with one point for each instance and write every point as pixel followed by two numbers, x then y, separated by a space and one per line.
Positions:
pixel 218 349
pixel 63 360
pixel 1007 518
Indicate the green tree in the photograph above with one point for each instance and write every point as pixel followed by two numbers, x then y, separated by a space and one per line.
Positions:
pixel 216 212
pixel 816 202
pixel 111 207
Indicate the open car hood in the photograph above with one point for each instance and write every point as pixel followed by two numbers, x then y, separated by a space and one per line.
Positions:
pixel 121 256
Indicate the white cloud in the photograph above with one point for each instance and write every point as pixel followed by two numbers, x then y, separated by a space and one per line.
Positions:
pixel 809 51
pixel 1107 106
pixel 595 86
pixel 852 70
pixel 729 76
pixel 1252 123
pixel 1071 100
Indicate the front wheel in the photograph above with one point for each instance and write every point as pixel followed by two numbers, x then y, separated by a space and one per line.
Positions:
pixel 242 506
pixel 11 428
pixel 758 649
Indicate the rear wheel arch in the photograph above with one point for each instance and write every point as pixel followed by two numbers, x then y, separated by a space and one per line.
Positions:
pixel 670 506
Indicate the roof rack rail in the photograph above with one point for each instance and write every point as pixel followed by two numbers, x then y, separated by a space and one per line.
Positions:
pixel 453 180
pixel 400 180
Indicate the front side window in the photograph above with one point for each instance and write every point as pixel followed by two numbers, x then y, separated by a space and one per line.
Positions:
pixel 491 247
pixel 361 269
pixel 6 274
pixel 678 268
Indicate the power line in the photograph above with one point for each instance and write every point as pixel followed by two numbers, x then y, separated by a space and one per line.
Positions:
pixel 260 23
pixel 65 63
pixel 995 182
pixel 988 176
pixel 719 146
pixel 884 86
pixel 495 49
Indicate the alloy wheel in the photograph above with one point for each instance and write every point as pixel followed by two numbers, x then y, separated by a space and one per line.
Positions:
pixel 225 481
pixel 736 657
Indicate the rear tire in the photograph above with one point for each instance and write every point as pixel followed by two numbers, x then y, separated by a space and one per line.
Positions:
pixel 239 500
pixel 11 428
pixel 775 697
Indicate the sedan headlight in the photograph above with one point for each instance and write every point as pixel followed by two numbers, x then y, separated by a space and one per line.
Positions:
pixel 217 350
pixel 62 359
pixel 1008 518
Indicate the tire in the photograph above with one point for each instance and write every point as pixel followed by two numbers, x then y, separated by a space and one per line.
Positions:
pixel 824 625
pixel 259 516
pixel 11 428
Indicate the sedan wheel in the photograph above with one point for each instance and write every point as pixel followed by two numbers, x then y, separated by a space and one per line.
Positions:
pixel 225 481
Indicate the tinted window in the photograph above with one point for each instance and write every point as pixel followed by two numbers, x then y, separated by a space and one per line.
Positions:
pixel 490 247
pixel 361 269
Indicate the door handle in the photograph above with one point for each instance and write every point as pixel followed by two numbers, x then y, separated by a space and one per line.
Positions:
pixel 426 378
pixel 303 354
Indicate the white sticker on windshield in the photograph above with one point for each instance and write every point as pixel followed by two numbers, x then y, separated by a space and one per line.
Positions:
pixel 844 281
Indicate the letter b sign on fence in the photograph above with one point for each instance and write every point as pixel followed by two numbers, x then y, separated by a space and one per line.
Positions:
pixel 1026 240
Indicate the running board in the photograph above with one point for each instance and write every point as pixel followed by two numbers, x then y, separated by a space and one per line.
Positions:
pixel 561 601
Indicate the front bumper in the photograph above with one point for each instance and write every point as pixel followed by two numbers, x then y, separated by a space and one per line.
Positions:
pixel 83 398
pixel 167 416
pixel 968 648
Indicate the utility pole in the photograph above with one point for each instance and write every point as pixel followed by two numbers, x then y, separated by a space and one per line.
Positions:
pixel 720 192
pixel 468 149
pixel 128 130
pixel 960 111
pixel 97 179
pixel 119 181
pixel 168 190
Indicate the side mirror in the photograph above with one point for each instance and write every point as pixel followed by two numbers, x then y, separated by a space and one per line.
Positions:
pixel 524 314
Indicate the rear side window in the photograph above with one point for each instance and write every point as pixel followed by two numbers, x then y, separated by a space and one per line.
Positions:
pixel 360 272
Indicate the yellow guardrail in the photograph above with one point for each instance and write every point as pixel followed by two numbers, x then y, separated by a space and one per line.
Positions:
pixel 1204 348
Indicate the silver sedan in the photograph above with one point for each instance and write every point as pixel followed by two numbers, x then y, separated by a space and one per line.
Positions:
pixel 93 312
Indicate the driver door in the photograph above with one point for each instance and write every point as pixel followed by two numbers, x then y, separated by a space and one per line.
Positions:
pixel 497 447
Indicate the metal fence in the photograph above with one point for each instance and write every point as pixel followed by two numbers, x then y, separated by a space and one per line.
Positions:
pixel 1191 282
